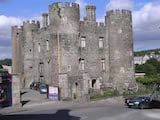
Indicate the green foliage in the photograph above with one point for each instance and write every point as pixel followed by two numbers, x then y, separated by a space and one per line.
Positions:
pixel 104 95
pixel 151 67
pixel 6 62
pixel 59 11
pixel 152 70
pixel 148 80
pixel 155 63
pixel 139 92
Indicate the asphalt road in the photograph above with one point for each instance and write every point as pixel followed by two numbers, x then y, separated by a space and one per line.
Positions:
pixel 71 111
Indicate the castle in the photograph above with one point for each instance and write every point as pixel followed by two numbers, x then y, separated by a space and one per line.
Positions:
pixel 75 55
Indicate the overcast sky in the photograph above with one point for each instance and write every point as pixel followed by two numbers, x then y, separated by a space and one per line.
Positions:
pixel 145 15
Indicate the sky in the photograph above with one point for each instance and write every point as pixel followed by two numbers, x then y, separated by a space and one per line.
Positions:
pixel 145 18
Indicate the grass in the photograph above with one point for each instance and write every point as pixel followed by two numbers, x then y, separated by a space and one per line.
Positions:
pixel 109 94
pixel 139 92
pixel 106 94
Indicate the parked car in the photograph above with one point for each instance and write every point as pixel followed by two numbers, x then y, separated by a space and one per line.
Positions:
pixel 154 104
pixel 142 102
pixel 128 99
pixel 35 85
pixel 139 102
pixel 43 88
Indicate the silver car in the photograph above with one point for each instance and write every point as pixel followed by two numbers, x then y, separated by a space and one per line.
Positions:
pixel 43 88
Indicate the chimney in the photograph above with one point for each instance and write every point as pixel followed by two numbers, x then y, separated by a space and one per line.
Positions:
pixel 45 19
pixel 91 12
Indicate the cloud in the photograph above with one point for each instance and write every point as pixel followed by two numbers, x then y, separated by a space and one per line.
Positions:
pixel 82 5
pixel 5 33
pixel 146 22
pixel 6 23
pixel 120 4
pixel 146 25
pixel 147 18
pixel 5 52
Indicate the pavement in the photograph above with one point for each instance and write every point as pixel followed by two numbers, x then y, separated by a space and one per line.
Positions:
pixel 80 111
pixel 104 109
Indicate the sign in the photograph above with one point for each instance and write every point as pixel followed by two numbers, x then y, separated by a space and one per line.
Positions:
pixel 53 93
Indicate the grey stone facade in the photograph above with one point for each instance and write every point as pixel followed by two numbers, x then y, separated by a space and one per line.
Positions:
pixel 73 54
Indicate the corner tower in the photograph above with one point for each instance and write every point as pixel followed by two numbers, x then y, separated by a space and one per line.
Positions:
pixel 119 33
pixel 29 30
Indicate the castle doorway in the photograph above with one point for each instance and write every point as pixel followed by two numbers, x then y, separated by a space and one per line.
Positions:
pixel 94 84
pixel 75 91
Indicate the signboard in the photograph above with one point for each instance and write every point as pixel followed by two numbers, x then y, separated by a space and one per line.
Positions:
pixel 53 93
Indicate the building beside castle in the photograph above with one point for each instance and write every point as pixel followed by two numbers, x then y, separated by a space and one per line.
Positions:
pixel 73 54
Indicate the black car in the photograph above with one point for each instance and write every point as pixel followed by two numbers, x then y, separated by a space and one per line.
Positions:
pixel 139 102
pixel 35 85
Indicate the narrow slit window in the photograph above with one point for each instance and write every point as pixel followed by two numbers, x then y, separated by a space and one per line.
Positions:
pixel 103 64
pixel 39 47
pixel 47 45
pixel 82 64
pixel 100 42
pixel 83 42
pixel 41 66
pixel 69 68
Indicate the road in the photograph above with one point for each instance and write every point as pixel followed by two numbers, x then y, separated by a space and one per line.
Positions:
pixel 80 111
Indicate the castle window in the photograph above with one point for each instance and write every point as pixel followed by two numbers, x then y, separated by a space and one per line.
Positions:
pixel 69 68
pixel 39 47
pixel 103 64
pixel 47 45
pixel 82 64
pixel 100 42
pixel 83 42
pixel 41 66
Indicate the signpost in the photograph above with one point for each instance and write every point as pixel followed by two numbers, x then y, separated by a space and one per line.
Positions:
pixel 53 93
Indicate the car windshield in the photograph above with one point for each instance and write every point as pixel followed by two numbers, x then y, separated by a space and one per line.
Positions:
pixel 140 98
pixel 43 86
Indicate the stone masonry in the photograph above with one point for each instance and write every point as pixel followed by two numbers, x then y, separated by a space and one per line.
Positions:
pixel 76 55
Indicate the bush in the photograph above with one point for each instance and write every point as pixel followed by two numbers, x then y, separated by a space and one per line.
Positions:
pixel 106 94
pixel 139 92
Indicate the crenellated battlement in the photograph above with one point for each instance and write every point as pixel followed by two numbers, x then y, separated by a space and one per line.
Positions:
pixel 101 24
pixel 17 27
pixel 119 12
pixel 90 7
pixel 67 5
pixel 31 22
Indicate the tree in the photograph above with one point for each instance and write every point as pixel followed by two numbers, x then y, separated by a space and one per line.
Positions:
pixel 150 69
pixel 155 63
pixel 6 62
pixel 139 68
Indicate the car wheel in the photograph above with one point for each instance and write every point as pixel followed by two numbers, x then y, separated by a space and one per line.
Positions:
pixel 142 106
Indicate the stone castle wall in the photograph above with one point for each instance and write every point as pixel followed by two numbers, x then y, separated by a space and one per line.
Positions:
pixel 54 54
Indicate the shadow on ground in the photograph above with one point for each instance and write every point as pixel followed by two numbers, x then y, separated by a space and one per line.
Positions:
pixel 59 115
pixel 24 102
pixel 22 93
